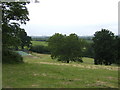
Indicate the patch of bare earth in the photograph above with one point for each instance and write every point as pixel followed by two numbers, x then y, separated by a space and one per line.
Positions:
pixel 34 85
pixel 77 79
pixel 43 74
pixel 36 74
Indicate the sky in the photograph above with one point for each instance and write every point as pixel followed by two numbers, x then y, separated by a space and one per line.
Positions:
pixel 83 17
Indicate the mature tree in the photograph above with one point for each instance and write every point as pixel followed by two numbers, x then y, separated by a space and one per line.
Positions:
pixel 55 44
pixel 65 48
pixel 104 47
pixel 12 12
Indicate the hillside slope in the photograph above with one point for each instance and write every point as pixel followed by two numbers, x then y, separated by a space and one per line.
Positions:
pixel 40 71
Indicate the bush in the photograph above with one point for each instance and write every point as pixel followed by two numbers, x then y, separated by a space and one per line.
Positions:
pixel 9 56
pixel 40 49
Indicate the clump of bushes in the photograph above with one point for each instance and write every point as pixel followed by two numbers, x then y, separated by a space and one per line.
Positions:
pixel 40 49
pixel 9 56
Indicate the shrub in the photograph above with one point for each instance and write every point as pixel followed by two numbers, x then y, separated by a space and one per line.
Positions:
pixel 9 56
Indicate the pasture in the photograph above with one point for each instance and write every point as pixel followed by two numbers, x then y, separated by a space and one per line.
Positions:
pixel 40 71
pixel 35 43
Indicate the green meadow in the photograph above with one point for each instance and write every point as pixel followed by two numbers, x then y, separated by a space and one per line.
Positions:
pixel 35 43
pixel 40 71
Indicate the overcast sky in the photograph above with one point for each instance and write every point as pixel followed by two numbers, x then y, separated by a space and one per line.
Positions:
pixel 83 17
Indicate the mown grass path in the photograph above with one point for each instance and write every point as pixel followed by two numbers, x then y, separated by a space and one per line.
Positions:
pixel 40 71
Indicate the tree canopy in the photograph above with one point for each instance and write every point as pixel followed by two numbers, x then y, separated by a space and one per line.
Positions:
pixel 104 43
pixel 13 15
pixel 65 48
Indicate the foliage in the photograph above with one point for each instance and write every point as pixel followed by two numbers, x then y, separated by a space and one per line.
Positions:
pixel 117 50
pixel 25 40
pixel 104 47
pixel 88 50
pixel 65 48
pixel 9 36
pixel 13 14
pixel 14 11
pixel 40 49
pixel 9 56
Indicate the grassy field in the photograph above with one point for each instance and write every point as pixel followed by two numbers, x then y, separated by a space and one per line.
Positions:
pixel 40 71
pixel 44 43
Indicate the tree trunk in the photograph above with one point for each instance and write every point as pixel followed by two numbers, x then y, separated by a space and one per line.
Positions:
pixel 67 61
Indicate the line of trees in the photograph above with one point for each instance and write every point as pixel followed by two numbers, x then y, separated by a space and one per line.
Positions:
pixel 104 49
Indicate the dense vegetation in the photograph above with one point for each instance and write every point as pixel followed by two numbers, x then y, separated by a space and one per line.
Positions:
pixel 13 36
pixel 71 48
pixel 105 51
pixel 65 48
pixel 40 47
pixel 43 43
pixel 103 47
